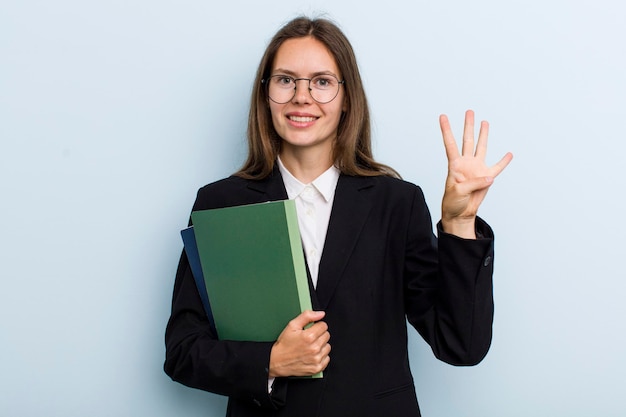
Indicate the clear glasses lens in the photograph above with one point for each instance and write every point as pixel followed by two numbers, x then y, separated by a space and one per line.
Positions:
pixel 323 88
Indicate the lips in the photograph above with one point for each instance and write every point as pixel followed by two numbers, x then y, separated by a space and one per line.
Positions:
pixel 301 119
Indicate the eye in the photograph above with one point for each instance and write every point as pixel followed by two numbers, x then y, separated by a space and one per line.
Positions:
pixel 324 82
pixel 283 80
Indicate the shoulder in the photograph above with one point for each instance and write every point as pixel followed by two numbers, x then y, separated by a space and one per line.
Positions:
pixel 383 194
pixel 226 192
pixel 225 185
pixel 236 191
pixel 396 183
pixel 385 185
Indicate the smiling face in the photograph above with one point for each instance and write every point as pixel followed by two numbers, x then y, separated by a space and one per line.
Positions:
pixel 302 123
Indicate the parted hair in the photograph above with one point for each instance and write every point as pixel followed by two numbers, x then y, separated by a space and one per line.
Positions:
pixel 352 150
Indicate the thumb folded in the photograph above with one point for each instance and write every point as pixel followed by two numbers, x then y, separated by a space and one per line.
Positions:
pixel 476 184
pixel 307 317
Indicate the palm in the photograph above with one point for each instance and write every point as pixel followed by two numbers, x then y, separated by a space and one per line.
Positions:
pixel 469 177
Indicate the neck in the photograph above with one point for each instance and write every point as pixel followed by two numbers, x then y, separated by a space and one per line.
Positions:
pixel 305 166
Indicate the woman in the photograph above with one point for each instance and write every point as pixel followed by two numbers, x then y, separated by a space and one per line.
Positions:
pixel 372 257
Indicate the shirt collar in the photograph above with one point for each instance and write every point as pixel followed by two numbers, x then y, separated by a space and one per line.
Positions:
pixel 325 184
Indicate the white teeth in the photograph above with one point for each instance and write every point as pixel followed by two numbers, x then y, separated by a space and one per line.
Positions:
pixel 301 119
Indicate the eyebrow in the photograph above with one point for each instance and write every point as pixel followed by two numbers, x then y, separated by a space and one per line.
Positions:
pixel 293 74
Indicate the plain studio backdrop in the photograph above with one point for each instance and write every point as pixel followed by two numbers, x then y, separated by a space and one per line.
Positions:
pixel 113 113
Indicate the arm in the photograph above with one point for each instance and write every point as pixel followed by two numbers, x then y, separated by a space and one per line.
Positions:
pixel 466 294
pixel 448 283
pixel 448 288
pixel 194 356
pixel 240 370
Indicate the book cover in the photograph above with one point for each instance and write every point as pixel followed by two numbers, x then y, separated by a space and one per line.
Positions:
pixel 191 250
pixel 253 266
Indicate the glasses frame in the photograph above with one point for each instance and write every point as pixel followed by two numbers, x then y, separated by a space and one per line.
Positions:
pixel 295 80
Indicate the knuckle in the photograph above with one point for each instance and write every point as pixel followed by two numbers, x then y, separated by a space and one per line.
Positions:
pixel 310 337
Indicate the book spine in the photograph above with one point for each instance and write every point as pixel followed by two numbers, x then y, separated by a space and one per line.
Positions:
pixel 302 281
pixel 297 253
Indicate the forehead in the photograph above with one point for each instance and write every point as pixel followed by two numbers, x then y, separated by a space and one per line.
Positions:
pixel 304 56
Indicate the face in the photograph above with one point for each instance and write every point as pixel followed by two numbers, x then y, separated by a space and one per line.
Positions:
pixel 303 123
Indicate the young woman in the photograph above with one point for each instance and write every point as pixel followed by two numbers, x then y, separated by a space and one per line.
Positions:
pixel 372 258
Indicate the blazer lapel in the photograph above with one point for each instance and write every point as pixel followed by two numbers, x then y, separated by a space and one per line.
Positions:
pixel 349 213
pixel 272 186
pixel 350 210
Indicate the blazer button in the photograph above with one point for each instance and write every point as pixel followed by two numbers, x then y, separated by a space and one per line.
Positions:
pixel 487 261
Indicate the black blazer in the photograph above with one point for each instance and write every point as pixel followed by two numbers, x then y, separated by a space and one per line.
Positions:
pixel 380 266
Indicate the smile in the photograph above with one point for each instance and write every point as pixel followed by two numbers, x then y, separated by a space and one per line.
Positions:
pixel 302 119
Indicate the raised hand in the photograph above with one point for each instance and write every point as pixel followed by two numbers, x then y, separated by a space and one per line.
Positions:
pixel 469 178
pixel 299 351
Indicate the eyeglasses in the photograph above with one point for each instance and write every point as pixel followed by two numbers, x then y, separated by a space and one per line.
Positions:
pixel 281 89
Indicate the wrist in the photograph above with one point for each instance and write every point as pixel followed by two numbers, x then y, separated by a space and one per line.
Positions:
pixel 462 227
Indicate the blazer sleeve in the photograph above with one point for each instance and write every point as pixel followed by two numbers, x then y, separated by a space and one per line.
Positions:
pixel 449 289
pixel 196 358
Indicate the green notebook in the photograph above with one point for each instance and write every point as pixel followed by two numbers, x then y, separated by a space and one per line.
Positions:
pixel 253 267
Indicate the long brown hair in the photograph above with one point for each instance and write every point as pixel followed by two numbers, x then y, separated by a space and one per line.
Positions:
pixel 352 148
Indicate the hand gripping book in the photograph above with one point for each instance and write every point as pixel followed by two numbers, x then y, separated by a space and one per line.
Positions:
pixel 252 266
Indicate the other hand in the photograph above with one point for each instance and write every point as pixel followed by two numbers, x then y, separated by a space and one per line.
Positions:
pixel 469 178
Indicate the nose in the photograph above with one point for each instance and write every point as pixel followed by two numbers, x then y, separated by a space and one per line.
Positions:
pixel 303 91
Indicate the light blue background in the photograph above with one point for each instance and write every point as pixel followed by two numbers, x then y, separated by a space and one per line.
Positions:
pixel 113 113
